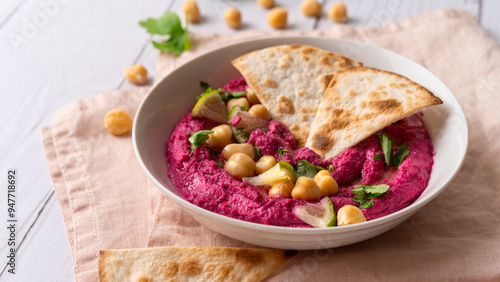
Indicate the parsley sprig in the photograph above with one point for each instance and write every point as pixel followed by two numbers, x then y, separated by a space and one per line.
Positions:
pixel 282 152
pixel 305 168
pixel 391 159
pixel 371 192
pixel 169 24
pixel 224 94
pixel 198 138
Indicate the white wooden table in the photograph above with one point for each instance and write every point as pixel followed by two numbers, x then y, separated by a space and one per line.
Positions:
pixel 53 52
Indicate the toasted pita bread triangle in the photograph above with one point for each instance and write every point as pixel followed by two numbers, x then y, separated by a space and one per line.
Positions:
pixel 361 101
pixel 190 264
pixel 290 80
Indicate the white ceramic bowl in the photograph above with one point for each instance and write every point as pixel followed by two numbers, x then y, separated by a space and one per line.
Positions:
pixel 174 96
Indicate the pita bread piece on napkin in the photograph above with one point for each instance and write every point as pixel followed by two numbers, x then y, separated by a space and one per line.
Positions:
pixel 290 80
pixel 361 101
pixel 190 264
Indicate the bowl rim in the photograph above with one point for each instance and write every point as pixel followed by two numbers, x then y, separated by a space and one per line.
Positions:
pixel 412 208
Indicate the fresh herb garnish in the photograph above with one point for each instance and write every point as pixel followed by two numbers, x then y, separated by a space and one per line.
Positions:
pixel 198 138
pixel 219 163
pixel 257 150
pixel 204 85
pixel 386 148
pixel 224 94
pixel 286 165
pixel 169 24
pixel 282 152
pixel 390 159
pixel 304 168
pixel 377 157
pixel 331 168
pixel 400 156
pixel 362 192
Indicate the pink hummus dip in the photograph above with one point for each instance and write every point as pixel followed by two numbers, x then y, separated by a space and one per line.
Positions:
pixel 202 182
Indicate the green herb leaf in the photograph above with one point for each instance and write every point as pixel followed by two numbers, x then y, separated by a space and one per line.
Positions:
pixel 219 163
pixel 331 168
pixel 386 148
pixel 363 191
pixel 359 193
pixel 318 168
pixel 204 85
pixel 226 95
pixel 390 159
pixel 374 190
pixel 377 157
pixel 198 138
pixel 169 24
pixel 282 152
pixel 367 205
pixel 286 165
pixel 400 156
pixel 304 168
pixel 257 150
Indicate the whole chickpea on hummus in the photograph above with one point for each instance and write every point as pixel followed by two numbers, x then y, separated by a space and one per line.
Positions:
pixel 278 162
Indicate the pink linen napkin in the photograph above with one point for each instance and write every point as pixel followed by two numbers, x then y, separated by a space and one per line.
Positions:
pixel 107 203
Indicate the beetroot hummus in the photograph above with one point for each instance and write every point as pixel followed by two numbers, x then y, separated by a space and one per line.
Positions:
pixel 201 181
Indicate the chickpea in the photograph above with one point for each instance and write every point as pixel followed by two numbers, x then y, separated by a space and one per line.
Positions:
pixel 327 185
pixel 338 13
pixel 118 122
pixel 232 17
pixel 349 214
pixel 259 111
pixel 232 149
pixel 310 8
pixel 252 97
pixel 277 17
pixel 264 164
pixel 136 74
pixel 240 165
pixel 242 102
pixel 266 3
pixel 221 137
pixel 282 188
pixel 306 189
pixel 190 9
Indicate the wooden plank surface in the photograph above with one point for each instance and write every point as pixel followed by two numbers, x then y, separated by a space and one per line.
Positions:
pixel 54 52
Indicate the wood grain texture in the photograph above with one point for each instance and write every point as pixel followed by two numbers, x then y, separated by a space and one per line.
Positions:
pixel 53 52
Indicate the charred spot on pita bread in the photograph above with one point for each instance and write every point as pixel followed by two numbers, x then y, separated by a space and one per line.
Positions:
pixel 326 60
pixel 285 106
pixel 307 50
pixel 189 265
pixel 144 278
pixel 325 79
pixel 269 82
pixel 321 144
pixel 264 97
pixel 301 93
pixel 223 272
pixel 170 268
pixel 249 257
pixel 385 106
